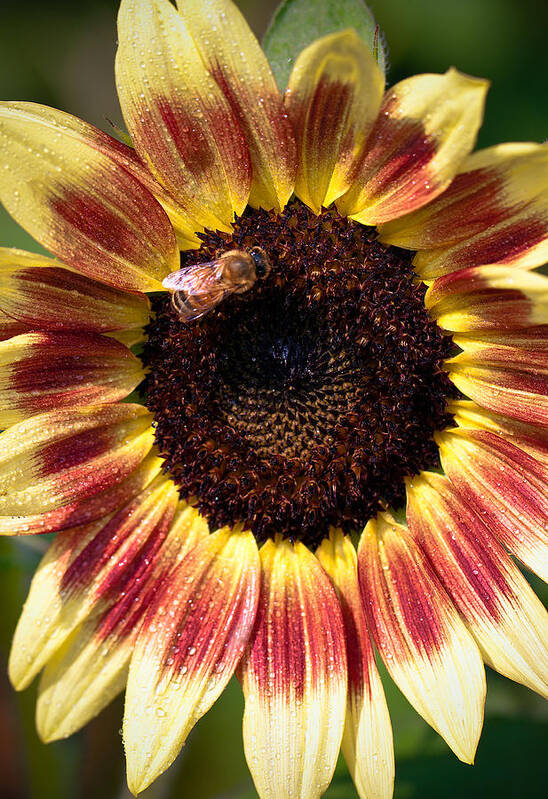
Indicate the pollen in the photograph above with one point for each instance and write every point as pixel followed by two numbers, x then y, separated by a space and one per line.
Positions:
pixel 303 403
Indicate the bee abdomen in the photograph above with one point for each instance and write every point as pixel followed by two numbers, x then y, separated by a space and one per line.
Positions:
pixel 187 306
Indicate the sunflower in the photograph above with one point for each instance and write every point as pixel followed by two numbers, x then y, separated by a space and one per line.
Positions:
pixel 344 457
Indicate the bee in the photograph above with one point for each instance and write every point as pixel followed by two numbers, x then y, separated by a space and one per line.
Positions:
pixel 198 289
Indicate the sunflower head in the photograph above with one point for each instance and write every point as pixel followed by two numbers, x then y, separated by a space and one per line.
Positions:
pixel 308 399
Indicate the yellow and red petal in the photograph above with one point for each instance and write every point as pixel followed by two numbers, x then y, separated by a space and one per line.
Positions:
pixel 82 677
pixel 519 243
pixel 367 739
pixel 497 190
pixel 294 676
pixel 234 58
pixel 427 125
pixel 129 338
pixel 87 570
pixel 49 371
pixel 191 640
pixel 124 155
pixel 52 297
pixel 424 644
pixel 506 485
pixel 188 528
pixel 333 98
pixel 488 298
pixel 528 437
pixel 505 617
pixel 80 203
pixel 35 639
pixel 166 530
pixel 91 666
pixel 58 457
pixel 180 121
pixel 84 511
pixel 10 327
pixel 505 373
pixel 13 258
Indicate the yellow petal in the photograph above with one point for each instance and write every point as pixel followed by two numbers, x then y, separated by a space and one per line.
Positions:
pixel 505 371
pixel 494 213
pixel 520 243
pixel 506 485
pixel 333 97
pixel 82 511
pixel 367 740
pixel 76 200
pixel 235 59
pixel 180 122
pixel 294 677
pixel 82 677
pixel 36 639
pixel 12 257
pixel 129 338
pixel 427 125
pixel 126 157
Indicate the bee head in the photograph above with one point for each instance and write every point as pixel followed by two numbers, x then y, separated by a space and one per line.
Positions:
pixel 262 264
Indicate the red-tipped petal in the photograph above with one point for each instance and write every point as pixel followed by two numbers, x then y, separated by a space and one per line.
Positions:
pixel 426 126
pixel 367 740
pixel 235 59
pixel 488 298
pixel 507 486
pixel 80 203
pixel 294 677
pixel 190 642
pixel 57 457
pixel 425 646
pixel 53 298
pixel 179 119
pixel 46 371
pixel 505 617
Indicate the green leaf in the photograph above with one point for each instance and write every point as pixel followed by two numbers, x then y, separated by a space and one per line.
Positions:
pixel 298 23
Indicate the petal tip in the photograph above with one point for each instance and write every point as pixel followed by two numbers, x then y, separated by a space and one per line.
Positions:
pixel 20 670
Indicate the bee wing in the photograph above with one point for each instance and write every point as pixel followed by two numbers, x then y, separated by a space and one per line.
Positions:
pixel 197 279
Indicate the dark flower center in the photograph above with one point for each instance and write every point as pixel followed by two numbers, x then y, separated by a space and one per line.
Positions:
pixel 304 402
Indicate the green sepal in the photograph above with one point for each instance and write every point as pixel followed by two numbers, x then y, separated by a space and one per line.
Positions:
pixel 298 23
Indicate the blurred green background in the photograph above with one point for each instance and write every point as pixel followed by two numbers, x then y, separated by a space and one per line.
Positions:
pixel 62 53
